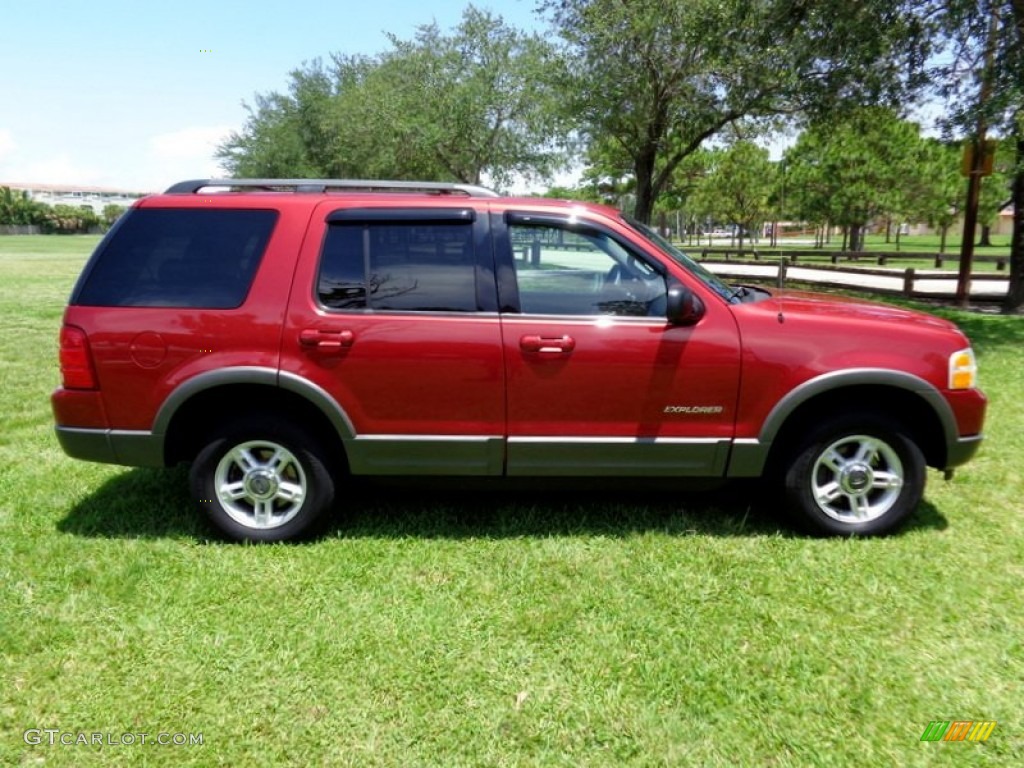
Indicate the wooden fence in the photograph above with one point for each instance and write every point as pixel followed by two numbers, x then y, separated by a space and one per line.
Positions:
pixel 910 282
pixel 879 257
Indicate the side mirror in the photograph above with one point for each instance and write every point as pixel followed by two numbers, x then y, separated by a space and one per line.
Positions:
pixel 683 306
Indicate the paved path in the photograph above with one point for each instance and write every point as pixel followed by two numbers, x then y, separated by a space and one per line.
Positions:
pixel 987 289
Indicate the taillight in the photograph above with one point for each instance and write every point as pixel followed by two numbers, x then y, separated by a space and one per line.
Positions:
pixel 75 359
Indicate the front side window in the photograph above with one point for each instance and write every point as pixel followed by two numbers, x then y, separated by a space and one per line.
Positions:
pixel 562 271
pixel 411 266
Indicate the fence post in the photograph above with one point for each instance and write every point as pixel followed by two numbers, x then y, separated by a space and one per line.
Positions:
pixel 908 282
pixel 780 281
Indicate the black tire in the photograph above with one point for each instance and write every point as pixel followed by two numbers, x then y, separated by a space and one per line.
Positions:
pixel 854 475
pixel 263 479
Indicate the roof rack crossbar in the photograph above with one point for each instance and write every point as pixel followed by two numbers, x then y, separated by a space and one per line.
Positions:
pixel 193 186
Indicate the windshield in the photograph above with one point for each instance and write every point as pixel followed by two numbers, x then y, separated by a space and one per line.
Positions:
pixel 711 280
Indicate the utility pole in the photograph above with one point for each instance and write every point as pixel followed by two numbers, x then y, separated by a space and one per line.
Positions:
pixel 975 169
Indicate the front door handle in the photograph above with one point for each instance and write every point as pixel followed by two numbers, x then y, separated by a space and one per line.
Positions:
pixel 326 340
pixel 548 344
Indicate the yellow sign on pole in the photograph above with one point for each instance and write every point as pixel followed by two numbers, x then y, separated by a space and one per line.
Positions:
pixel 988 158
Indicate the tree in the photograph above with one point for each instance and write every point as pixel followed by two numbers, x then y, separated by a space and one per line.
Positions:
pixel 656 78
pixel 280 137
pixel 739 187
pixel 478 102
pixel 854 170
pixel 69 219
pixel 941 201
pixel 112 213
pixel 18 208
pixel 481 101
pixel 982 81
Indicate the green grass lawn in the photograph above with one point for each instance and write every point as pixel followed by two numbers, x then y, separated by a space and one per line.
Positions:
pixel 439 628
pixel 931 243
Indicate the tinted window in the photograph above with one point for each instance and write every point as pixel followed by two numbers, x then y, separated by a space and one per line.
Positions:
pixel 174 257
pixel 565 272
pixel 398 266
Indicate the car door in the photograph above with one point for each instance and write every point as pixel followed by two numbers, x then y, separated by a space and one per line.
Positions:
pixel 393 319
pixel 598 382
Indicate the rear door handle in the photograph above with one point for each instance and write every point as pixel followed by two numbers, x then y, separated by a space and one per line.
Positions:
pixel 325 340
pixel 548 344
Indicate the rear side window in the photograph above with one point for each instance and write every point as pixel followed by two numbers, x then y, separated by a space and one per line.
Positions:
pixel 387 265
pixel 176 257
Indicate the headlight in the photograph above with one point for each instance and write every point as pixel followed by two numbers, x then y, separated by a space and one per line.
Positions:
pixel 963 370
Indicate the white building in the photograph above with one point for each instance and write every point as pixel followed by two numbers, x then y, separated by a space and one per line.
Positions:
pixel 77 195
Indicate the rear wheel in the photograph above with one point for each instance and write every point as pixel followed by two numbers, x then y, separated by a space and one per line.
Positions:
pixel 263 480
pixel 854 475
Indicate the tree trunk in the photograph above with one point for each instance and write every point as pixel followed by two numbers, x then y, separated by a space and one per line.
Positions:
pixel 888 231
pixel 857 237
pixel 942 239
pixel 643 168
pixel 986 235
pixel 899 231
pixel 1015 295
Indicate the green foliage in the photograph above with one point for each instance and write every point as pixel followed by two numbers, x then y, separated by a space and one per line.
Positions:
pixel 17 208
pixel 586 193
pixel 69 219
pixel 851 171
pixel 475 102
pixel 112 213
pixel 943 194
pixel 653 79
pixel 738 187
pixel 983 46
pixel 981 77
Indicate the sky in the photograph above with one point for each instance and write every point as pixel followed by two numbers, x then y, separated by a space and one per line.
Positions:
pixel 136 95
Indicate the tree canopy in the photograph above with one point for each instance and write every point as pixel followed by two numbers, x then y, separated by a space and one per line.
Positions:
pixel 852 170
pixel 981 79
pixel 654 79
pixel 738 186
pixel 477 102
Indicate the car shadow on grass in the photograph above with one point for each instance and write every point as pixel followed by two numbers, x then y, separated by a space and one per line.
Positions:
pixel 152 503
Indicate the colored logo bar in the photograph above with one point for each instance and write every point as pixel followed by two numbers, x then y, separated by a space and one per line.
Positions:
pixel 958 730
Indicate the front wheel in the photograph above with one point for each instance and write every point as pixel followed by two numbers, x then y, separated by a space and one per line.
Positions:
pixel 262 480
pixel 855 476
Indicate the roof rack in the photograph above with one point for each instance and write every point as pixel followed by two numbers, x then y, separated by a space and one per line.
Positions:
pixel 193 186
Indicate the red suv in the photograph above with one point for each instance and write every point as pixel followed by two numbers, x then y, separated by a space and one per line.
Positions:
pixel 282 335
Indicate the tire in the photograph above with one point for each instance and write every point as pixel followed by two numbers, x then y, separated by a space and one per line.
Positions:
pixel 854 475
pixel 263 479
